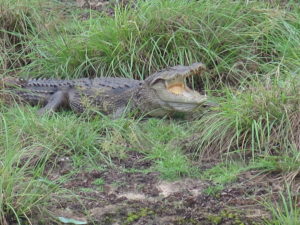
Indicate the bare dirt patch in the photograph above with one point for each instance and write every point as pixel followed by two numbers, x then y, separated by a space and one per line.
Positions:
pixel 139 197
pixel 105 6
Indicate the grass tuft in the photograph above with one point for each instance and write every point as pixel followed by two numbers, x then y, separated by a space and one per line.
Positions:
pixel 234 39
pixel 285 210
pixel 258 120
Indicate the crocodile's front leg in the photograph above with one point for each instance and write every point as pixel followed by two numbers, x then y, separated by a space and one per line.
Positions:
pixel 58 99
pixel 118 112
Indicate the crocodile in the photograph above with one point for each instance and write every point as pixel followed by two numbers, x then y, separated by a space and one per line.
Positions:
pixel 160 94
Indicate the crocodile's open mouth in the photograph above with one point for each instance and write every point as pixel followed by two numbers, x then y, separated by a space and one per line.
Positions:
pixel 176 88
pixel 177 84
pixel 183 96
pixel 171 88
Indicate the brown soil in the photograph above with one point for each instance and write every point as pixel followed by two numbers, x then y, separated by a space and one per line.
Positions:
pixel 143 198
pixel 105 6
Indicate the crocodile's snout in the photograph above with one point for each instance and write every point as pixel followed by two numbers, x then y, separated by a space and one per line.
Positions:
pixel 171 88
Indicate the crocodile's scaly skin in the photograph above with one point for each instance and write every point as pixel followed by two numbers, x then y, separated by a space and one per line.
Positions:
pixel 106 94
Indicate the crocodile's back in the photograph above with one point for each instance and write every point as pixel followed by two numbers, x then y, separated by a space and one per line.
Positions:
pixel 105 94
pixel 53 85
pixel 35 91
pixel 115 82
pixel 40 91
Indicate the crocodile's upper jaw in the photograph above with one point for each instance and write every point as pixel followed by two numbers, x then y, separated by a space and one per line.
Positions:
pixel 170 87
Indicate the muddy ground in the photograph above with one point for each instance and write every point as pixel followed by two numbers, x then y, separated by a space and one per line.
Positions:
pixel 125 195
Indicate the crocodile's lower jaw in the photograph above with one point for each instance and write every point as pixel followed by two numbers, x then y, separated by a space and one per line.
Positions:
pixel 182 107
pixel 173 107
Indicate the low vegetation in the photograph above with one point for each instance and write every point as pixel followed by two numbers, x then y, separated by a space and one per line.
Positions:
pixel 250 49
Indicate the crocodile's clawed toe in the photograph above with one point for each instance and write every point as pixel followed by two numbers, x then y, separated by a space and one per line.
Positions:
pixel 44 111
pixel 209 104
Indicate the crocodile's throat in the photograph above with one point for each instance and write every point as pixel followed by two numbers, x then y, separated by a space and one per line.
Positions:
pixel 178 85
pixel 176 88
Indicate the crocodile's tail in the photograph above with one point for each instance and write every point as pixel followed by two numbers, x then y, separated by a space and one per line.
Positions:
pixel 11 82
pixel 7 85
pixel 32 91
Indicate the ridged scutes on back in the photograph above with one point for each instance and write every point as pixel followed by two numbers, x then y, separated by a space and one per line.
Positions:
pixel 51 83
pixel 115 82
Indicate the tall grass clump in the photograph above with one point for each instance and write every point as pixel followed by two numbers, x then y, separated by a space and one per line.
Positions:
pixel 21 189
pixel 232 38
pixel 13 27
pixel 258 121
pixel 260 117
pixel 18 21
pixel 22 22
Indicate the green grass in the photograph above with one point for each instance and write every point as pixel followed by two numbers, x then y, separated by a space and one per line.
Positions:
pixel 32 147
pixel 284 211
pixel 253 121
pixel 222 175
pixel 249 47
pixel 233 39
pixel 169 159
pixel 21 184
